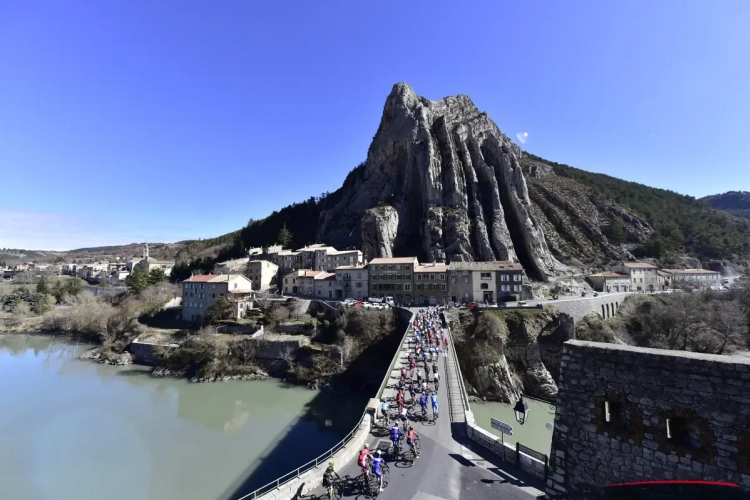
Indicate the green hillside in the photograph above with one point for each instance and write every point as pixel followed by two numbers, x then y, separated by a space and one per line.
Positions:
pixel 682 224
pixel 736 203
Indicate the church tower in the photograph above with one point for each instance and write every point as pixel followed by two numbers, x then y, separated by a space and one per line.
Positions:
pixel 145 251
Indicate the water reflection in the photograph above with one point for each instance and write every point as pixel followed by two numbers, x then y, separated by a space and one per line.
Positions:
pixel 76 429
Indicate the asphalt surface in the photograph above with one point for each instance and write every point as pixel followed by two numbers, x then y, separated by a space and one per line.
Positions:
pixel 448 467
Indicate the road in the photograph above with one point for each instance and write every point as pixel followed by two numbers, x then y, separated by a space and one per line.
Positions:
pixel 448 467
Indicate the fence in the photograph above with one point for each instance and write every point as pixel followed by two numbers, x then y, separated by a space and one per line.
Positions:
pixel 363 426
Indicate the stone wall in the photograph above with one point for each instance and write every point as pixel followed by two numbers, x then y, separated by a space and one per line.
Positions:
pixel 606 305
pixel 144 353
pixel 274 347
pixel 672 415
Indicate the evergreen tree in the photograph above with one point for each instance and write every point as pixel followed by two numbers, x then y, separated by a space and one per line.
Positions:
pixel 615 232
pixel 138 280
pixel 285 237
pixel 73 287
pixel 155 276
pixel 42 286
pixel 58 291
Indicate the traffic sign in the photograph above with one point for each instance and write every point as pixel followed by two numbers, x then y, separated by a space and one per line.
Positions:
pixel 501 426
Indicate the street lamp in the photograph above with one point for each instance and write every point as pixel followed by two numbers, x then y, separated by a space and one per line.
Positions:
pixel 521 410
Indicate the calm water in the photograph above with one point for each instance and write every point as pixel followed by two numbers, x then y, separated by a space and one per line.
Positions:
pixel 73 429
pixel 533 433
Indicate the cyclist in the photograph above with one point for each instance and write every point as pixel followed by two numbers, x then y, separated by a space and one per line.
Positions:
pixel 411 438
pixel 364 461
pixel 329 478
pixel 419 375
pixel 434 400
pixel 403 372
pixel 424 385
pixel 377 468
pixel 384 410
pixel 423 404
pixel 404 416
pixel 436 379
pixel 412 392
pixel 396 435
pixel 437 352
pixel 434 368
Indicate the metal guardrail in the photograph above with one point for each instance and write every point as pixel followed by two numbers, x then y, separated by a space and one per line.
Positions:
pixel 464 395
pixel 290 476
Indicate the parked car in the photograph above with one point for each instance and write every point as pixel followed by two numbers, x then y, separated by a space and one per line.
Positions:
pixel 358 303
pixel 471 305
pixel 521 303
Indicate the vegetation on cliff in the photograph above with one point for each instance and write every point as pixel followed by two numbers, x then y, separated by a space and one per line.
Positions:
pixel 682 224
pixel 736 203
pixel 506 353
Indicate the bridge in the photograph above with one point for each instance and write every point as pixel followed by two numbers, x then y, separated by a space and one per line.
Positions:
pixel 458 459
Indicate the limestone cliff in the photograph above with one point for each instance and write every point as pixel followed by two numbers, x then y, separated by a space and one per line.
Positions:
pixel 443 183
pixel 516 352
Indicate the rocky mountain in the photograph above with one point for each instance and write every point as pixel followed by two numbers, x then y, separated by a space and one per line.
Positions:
pixel 735 202
pixel 442 182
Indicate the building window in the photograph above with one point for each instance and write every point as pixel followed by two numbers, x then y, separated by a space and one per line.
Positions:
pixel 504 277
pixel 453 281
pixel 407 287
pixel 442 287
pixel 484 286
pixel 390 268
pixel 442 276
pixel 407 267
pixel 419 286
pixel 398 267
pixel 407 276
pixel 516 277
pixel 418 276
pixel 466 281
pixel 505 288
pixel 432 277
pixel 398 277
pixel 486 276
pixel 382 277
pixel 516 288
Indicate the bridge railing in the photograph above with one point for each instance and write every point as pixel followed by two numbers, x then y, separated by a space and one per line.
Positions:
pixel 462 387
pixel 328 455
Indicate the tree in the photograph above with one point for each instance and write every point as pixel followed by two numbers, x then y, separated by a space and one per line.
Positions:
pixel 615 232
pixel 73 287
pixel 58 291
pixel 155 276
pixel 138 280
pixel 222 309
pixel 285 237
pixel 42 286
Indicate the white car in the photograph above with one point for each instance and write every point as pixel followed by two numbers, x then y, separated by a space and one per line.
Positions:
pixel 349 302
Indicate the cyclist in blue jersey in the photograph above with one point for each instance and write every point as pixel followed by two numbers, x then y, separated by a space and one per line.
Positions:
pixel 396 435
pixel 434 400
pixel 384 410
pixel 377 468
pixel 423 404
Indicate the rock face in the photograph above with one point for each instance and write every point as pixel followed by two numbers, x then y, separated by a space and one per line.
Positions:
pixel 574 218
pixel 532 343
pixel 443 183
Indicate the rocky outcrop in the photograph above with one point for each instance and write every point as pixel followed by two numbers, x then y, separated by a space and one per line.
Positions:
pixel 574 218
pixel 379 226
pixel 526 353
pixel 443 183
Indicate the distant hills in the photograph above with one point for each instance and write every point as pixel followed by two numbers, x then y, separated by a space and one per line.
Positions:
pixel 735 202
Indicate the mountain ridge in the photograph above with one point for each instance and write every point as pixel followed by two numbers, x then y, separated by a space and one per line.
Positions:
pixel 442 182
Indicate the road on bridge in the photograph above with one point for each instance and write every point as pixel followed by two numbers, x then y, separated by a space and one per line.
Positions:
pixel 448 467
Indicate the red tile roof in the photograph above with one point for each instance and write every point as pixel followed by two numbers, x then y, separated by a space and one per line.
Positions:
pixel 201 278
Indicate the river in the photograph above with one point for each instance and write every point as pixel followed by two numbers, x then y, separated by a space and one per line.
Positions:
pixel 77 430
pixel 533 433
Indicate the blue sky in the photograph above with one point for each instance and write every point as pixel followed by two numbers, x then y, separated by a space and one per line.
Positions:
pixel 164 120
